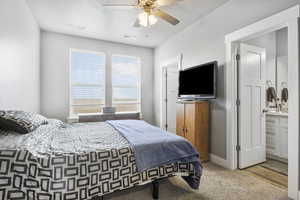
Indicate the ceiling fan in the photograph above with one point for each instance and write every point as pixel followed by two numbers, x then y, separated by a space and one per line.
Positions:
pixel 150 11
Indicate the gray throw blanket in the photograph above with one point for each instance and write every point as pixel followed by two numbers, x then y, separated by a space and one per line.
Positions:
pixel 154 147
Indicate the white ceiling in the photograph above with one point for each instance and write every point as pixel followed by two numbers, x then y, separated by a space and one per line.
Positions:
pixel 89 18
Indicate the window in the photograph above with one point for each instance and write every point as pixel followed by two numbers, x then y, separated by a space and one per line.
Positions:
pixel 87 81
pixel 90 91
pixel 126 83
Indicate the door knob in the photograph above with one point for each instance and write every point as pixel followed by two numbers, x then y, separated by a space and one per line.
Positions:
pixel 265 110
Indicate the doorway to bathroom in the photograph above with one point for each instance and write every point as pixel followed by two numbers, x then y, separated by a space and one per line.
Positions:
pixel 263 115
pixel 238 154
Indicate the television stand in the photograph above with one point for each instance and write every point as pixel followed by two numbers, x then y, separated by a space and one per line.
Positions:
pixel 192 123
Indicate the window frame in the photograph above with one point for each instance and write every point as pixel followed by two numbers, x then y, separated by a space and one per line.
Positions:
pixel 107 87
pixel 71 50
pixel 139 85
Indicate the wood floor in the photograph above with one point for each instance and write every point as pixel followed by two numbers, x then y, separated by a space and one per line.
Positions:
pixel 277 166
pixel 271 173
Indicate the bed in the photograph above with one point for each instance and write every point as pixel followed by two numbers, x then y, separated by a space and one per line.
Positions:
pixel 81 161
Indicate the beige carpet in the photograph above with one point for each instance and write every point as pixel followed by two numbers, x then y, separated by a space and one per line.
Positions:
pixel 217 184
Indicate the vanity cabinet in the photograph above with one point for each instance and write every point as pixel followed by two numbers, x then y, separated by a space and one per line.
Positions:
pixel 277 136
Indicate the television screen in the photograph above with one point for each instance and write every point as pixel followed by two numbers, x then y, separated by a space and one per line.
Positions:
pixel 198 82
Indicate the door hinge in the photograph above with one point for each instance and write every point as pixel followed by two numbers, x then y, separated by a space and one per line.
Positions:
pixel 238 147
pixel 238 102
pixel 237 57
pixel 166 100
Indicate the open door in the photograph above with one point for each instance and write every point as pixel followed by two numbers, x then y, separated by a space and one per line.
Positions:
pixel 252 95
pixel 170 89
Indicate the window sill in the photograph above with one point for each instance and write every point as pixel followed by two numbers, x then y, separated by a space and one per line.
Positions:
pixel 76 118
pixel 116 113
pixel 73 119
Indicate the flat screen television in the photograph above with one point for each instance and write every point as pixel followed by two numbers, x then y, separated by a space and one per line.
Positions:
pixel 199 82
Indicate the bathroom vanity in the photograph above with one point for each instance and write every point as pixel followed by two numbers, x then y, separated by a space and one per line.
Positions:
pixel 277 135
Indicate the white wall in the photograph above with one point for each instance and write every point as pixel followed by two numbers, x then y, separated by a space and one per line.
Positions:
pixel 55 71
pixel 204 41
pixel 19 57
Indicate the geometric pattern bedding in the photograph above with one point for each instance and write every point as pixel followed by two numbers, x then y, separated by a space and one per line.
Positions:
pixel 75 176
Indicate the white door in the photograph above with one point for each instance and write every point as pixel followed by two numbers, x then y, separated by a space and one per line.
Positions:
pixel 171 79
pixel 252 95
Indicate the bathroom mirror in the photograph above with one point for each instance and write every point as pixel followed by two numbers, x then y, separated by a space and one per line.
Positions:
pixel 281 68
pixel 276 47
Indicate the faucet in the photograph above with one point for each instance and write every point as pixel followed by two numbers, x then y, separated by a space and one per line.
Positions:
pixel 278 105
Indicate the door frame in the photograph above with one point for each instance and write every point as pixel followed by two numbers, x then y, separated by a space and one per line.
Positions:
pixel 175 61
pixel 288 18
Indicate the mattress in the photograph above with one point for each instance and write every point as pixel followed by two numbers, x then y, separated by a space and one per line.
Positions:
pixel 79 161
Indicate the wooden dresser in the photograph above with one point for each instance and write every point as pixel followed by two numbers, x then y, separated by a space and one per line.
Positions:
pixel 192 123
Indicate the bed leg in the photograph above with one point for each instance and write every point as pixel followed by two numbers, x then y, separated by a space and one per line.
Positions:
pixel 155 192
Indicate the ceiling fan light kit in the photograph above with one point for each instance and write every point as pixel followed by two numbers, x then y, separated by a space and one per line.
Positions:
pixel 151 12
pixel 146 19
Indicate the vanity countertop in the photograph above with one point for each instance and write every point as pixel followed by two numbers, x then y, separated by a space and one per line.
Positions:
pixel 274 113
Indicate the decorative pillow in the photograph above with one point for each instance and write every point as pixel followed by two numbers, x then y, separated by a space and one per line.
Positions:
pixel 20 121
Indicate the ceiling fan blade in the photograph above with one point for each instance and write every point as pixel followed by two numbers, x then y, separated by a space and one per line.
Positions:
pixel 137 24
pixel 172 20
pixel 167 2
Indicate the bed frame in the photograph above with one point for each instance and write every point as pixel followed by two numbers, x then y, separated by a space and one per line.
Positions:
pixel 155 190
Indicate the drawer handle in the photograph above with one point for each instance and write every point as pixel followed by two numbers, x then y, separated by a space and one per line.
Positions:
pixel 184 130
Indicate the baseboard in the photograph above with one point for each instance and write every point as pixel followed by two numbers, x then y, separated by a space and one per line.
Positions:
pixel 219 161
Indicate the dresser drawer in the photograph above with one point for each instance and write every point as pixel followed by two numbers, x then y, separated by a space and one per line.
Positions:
pixel 271 130
pixel 272 120
pixel 276 121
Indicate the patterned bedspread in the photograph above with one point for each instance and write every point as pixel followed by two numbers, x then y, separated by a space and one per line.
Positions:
pixel 72 162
